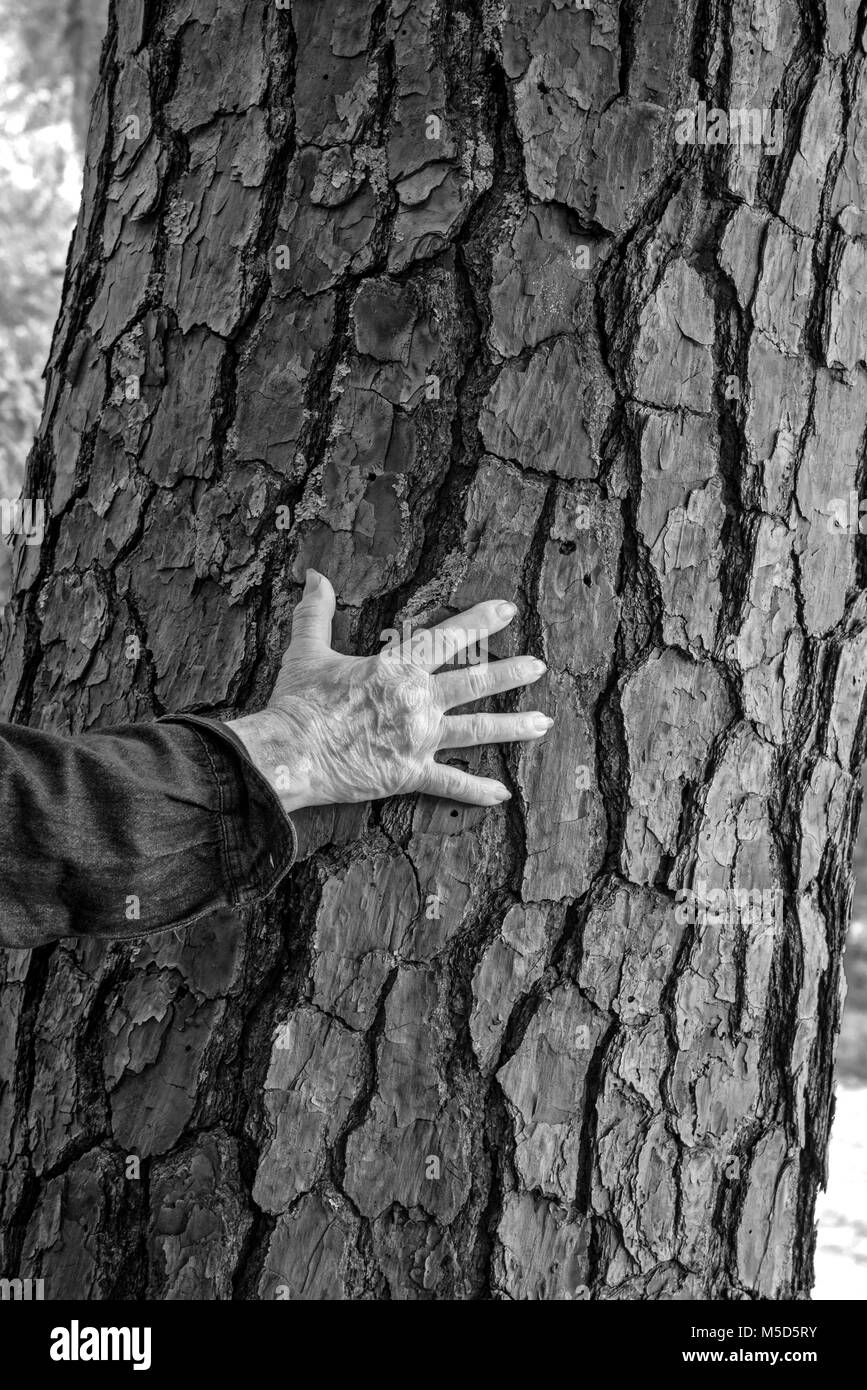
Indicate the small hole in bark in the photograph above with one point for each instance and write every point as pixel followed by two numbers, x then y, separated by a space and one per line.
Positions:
pixel 587 580
pixel 371 477
pixel 566 547
pixel 452 813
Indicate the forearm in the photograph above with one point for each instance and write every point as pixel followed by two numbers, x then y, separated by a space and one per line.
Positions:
pixel 132 830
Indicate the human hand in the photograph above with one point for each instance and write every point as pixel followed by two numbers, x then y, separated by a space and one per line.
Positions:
pixel 342 729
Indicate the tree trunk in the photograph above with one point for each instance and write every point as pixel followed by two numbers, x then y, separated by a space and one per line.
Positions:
pixel 443 300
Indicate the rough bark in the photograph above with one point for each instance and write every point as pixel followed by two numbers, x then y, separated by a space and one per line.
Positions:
pixel 429 296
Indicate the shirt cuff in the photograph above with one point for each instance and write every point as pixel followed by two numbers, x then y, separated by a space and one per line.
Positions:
pixel 258 838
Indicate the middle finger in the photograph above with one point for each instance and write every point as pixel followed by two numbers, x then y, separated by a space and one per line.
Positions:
pixel 477 682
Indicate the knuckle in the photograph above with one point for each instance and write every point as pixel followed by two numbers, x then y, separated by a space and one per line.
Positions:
pixel 388 665
pixel 412 691
pixel 405 696
pixel 437 648
pixel 460 784
pixel 438 783
pixel 477 679
pixel 483 728
pixel 402 696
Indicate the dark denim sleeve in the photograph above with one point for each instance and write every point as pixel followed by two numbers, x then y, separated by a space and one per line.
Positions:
pixel 132 830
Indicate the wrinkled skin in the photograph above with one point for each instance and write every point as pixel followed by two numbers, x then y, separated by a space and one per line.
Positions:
pixel 342 729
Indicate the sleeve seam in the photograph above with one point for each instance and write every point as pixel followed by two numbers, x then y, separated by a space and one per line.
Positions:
pixel 234 893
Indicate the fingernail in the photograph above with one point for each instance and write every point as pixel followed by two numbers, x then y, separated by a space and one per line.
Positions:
pixel 500 793
pixel 312 582
pixel 506 611
pixel 542 721
pixel 538 667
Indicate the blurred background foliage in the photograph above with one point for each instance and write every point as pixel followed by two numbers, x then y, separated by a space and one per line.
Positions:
pixel 49 58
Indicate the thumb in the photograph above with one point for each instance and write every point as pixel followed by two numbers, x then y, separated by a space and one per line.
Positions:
pixel 311 621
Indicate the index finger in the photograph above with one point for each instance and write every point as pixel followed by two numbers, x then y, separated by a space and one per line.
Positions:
pixel 435 646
